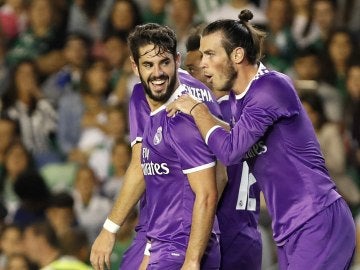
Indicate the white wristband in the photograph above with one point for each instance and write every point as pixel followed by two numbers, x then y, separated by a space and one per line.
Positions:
pixel 111 226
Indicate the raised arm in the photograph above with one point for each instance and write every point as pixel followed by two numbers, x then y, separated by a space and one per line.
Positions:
pixel 203 118
pixel 130 193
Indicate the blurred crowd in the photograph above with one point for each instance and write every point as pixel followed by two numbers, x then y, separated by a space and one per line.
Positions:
pixel 65 81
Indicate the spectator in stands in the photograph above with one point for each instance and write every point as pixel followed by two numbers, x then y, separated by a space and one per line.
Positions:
pixel 120 160
pixel 340 49
pixel 77 109
pixel 125 15
pixel 67 79
pixel 43 247
pixel 89 18
pixel 352 118
pixel 20 262
pixel 76 243
pixel 4 67
pixel 60 213
pixel 35 115
pixel 34 196
pixel 13 19
pixel 10 243
pixel 181 18
pixel 91 208
pixel 154 11
pixel 307 75
pixel 230 10
pixel 332 147
pixel 122 78
pixel 324 16
pixel 280 45
pixel 303 28
pixel 40 41
pixel 8 132
pixel 17 159
pixel 103 141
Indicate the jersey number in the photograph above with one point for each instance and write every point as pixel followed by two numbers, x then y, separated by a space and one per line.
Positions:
pixel 244 202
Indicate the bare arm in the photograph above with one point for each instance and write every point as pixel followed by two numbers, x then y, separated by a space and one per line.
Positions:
pixel 203 184
pixel 130 193
pixel 221 178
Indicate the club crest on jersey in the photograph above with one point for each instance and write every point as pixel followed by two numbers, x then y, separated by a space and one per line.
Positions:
pixel 158 136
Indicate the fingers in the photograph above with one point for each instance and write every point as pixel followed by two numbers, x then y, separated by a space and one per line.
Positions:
pixel 107 262
pixel 101 250
pixel 183 104
pixel 171 111
pixel 99 259
pixel 99 262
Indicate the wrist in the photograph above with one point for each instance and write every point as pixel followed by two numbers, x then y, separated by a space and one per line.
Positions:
pixel 111 226
pixel 195 107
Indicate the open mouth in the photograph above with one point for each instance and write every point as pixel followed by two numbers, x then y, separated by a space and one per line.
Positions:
pixel 208 78
pixel 158 84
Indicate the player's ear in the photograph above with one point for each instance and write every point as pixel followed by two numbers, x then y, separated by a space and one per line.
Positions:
pixel 238 55
pixel 134 66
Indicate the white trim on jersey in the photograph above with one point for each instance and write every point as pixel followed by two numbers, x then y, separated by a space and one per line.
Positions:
pixel 209 133
pixel 223 98
pixel 200 168
pixel 137 139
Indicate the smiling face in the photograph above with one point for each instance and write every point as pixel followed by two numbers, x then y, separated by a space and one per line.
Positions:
pixel 158 72
pixel 218 67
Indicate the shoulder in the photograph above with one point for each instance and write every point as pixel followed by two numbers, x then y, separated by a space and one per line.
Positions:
pixel 200 92
pixel 181 127
pixel 138 92
pixel 275 80
pixel 274 86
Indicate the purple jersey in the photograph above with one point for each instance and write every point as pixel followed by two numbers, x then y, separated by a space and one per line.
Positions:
pixel 139 109
pixel 229 211
pixel 241 245
pixel 172 148
pixel 139 113
pixel 273 129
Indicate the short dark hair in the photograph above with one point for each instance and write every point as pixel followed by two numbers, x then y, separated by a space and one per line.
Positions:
pixel 239 33
pixel 193 40
pixel 161 36
pixel 193 43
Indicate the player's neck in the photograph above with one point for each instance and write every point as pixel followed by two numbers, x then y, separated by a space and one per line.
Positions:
pixel 154 105
pixel 245 75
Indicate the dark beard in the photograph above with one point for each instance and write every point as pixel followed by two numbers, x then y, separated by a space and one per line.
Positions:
pixel 169 91
pixel 229 69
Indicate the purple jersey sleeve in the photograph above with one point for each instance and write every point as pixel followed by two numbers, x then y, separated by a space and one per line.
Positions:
pixel 139 112
pixel 276 139
pixel 192 152
pixel 276 101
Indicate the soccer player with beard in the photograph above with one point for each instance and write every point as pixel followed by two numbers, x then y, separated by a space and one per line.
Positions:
pixel 179 170
pixel 240 241
pixel 312 225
